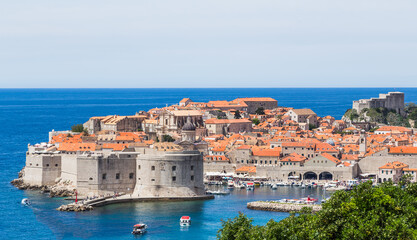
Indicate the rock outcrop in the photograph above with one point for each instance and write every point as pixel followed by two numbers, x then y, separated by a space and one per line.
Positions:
pixel 59 189
pixel 75 207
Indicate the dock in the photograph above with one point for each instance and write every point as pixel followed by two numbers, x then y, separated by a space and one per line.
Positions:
pixel 126 198
pixel 281 207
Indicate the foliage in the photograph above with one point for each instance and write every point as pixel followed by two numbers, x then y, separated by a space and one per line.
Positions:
pixel 351 114
pixel 237 114
pixel 77 128
pixel 167 138
pixel 311 126
pixel 256 121
pixel 387 211
pixel 260 111
pixel 69 135
pixel 373 129
pixel 85 132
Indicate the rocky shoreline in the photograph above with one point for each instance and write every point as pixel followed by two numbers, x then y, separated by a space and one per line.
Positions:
pixel 75 207
pixel 281 207
pixel 59 189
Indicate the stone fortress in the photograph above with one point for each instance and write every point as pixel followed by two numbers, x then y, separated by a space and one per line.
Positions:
pixel 391 101
pixel 162 170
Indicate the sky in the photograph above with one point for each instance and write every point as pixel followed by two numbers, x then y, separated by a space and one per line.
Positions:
pixel 212 43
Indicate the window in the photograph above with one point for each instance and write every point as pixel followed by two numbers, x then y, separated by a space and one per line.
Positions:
pixel 192 167
pixel 131 175
pixel 192 177
pixel 139 167
pixel 37 164
pixel 56 165
pixel 174 168
pixel 47 165
pixel 174 179
pixel 104 176
pixel 153 180
pixel 117 175
pixel 153 168
pixel 90 178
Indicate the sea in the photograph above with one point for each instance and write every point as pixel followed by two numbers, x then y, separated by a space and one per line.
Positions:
pixel 27 115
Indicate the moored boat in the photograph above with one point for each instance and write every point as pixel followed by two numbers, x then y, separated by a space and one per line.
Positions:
pixel 250 186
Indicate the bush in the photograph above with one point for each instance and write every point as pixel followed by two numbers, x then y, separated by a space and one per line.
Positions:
pixel 260 111
pixel 77 128
pixel 256 121
pixel 167 138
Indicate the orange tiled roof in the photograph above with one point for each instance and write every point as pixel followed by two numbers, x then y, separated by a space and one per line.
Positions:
pixel 294 157
pixel 248 169
pixel 403 150
pixel 74 147
pixel 394 165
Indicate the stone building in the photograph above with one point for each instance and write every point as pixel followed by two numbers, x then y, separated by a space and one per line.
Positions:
pixel 303 116
pixel 170 122
pixel 165 170
pixel 258 102
pixel 225 126
pixel 391 101
pixel 114 123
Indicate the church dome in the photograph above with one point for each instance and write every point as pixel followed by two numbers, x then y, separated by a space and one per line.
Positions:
pixel 330 141
pixel 188 126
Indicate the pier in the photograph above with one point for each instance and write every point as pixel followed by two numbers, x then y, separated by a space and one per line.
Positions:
pixel 98 202
pixel 281 207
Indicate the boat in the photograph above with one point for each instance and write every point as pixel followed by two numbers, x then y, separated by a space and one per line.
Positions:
pixel 239 186
pixel 185 221
pixel 274 187
pixel 250 186
pixel 218 192
pixel 281 184
pixel 257 183
pixel 230 184
pixel 139 228
pixel 309 200
pixel 25 201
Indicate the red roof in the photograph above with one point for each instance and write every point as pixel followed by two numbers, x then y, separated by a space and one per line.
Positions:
pixel 185 217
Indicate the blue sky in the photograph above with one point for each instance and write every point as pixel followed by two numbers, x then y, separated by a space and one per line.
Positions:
pixel 216 43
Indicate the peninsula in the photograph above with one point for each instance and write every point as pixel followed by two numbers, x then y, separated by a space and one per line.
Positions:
pixel 168 153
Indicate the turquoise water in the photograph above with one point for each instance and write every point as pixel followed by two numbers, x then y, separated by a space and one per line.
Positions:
pixel 26 116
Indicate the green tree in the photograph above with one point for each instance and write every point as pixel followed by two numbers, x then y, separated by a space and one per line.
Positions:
pixel 167 138
pixel 260 111
pixel 387 211
pixel 237 114
pixel 77 128
pixel 256 121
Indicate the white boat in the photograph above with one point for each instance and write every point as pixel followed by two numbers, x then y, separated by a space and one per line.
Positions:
pixel 25 201
pixel 230 184
pixel 250 186
pixel 218 192
pixel 239 186
pixel 185 221
pixel 281 184
pixel 139 228
pixel 274 187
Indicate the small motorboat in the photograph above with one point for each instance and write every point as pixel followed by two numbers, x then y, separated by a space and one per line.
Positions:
pixel 274 187
pixel 230 184
pixel 185 221
pixel 250 186
pixel 218 192
pixel 139 228
pixel 25 201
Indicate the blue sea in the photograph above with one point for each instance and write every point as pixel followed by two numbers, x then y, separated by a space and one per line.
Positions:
pixel 26 116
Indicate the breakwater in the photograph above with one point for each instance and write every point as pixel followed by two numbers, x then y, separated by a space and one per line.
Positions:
pixel 281 207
